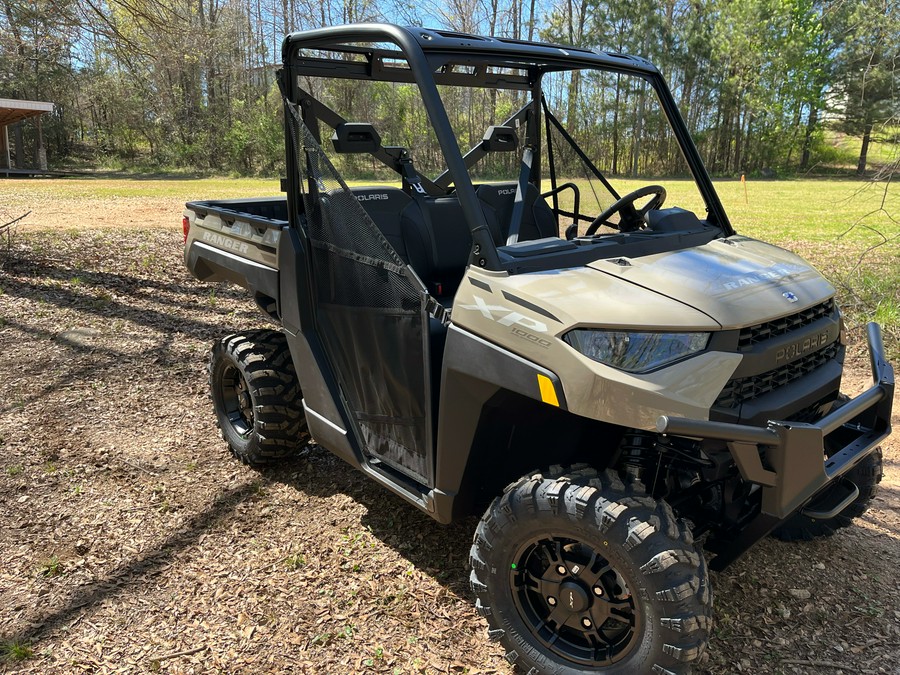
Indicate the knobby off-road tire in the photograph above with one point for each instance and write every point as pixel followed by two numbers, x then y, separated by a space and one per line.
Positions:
pixel 577 572
pixel 256 397
pixel 866 476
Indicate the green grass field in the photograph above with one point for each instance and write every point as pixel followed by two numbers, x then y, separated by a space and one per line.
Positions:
pixel 814 210
pixel 811 210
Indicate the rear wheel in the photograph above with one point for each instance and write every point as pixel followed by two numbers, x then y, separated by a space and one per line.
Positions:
pixel 866 476
pixel 256 397
pixel 577 573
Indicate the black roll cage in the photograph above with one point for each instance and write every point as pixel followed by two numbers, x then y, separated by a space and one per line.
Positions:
pixel 436 57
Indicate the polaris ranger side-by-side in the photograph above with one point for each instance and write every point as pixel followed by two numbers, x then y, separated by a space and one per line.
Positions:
pixel 612 378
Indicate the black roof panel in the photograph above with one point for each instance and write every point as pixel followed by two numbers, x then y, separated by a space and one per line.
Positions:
pixel 435 42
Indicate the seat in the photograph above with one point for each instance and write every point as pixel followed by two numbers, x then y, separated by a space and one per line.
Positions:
pixel 386 206
pixel 497 201
pixel 438 245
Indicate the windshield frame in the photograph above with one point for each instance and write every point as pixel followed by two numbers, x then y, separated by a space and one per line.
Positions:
pixel 428 53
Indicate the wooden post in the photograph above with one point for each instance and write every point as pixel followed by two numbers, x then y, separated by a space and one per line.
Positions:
pixel 4 148
pixel 40 152
pixel 19 142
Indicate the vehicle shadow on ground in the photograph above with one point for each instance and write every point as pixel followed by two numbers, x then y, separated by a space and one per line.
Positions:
pixel 138 304
pixel 441 551
pixel 86 297
pixel 43 268
pixel 136 571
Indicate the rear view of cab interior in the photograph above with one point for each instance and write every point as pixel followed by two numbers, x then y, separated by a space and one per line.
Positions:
pixel 548 200
pixel 459 152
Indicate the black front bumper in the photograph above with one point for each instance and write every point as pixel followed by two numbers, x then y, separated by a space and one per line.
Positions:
pixel 787 459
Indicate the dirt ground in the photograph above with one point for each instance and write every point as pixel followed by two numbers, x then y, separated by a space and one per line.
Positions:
pixel 132 543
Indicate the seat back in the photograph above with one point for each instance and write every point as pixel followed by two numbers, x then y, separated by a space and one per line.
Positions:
pixel 437 247
pixel 538 221
pixel 439 244
pixel 385 206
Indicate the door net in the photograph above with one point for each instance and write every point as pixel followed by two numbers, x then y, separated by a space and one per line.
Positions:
pixel 371 313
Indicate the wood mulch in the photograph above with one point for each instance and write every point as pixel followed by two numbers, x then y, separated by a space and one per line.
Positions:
pixel 131 542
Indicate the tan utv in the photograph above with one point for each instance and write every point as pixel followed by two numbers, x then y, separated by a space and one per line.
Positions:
pixel 610 379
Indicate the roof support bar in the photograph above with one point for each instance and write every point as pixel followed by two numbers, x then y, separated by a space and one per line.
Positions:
pixel 473 156
pixel 322 112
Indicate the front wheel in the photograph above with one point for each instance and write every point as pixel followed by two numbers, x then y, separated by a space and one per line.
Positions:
pixel 577 573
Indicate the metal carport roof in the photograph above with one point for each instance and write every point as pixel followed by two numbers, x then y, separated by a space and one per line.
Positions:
pixel 12 110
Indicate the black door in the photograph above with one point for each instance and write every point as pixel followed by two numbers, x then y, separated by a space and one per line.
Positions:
pixel 371 317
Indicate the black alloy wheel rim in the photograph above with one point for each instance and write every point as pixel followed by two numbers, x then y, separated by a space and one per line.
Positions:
pixel 574 602
pixel 237 401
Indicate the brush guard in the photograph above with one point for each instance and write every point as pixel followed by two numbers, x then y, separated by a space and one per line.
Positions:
pixel 786 458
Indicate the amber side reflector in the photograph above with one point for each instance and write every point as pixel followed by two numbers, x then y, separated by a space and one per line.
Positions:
pixel 548 391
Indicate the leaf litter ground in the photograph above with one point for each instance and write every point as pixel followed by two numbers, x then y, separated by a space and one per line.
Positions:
pixel 131 542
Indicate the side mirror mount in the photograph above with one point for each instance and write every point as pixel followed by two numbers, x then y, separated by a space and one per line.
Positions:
pixel 355 138
pixel 500 139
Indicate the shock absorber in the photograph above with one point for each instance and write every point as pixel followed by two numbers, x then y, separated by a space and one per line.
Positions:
pixel 657 460
pixel 638 454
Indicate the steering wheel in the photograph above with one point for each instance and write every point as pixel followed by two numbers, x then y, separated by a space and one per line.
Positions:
pixel 630 218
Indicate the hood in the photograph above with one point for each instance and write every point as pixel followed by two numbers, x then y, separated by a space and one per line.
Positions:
pixel 736 281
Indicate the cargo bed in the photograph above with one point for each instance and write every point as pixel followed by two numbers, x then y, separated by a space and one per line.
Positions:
pixel 237 240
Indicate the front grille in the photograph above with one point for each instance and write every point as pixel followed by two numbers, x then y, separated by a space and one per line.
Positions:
pixel 814 412
pixel 770 329
pixel 746 388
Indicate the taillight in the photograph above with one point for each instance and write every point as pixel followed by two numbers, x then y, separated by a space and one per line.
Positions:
pixel 186 226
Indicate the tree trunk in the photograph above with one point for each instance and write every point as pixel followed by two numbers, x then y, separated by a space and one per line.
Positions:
pixel 639 125
pixel 811 123
pixel 615 129
pixel 638 131
pixel 864 150
pixel 531 21
pixel 576 37
pixel 687 93
pixel 750 151
pixel 571 107
pixel 20 49
pixel 715 164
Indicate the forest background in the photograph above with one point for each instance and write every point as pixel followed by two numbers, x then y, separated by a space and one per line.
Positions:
pixel 766 86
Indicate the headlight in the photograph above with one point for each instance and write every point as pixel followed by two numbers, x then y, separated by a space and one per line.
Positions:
pixel 635 352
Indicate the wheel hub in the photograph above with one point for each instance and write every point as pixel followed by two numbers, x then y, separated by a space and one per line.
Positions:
pixel 245 403
pixel 574 597
pixel 574 602
pixel 237 401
